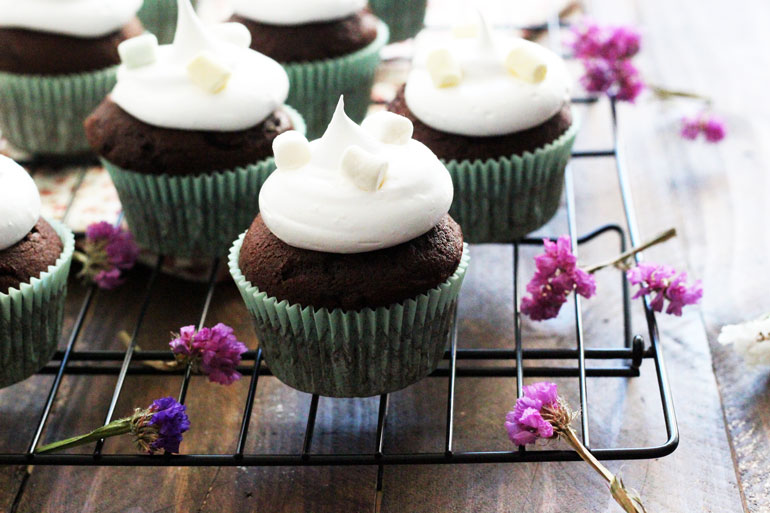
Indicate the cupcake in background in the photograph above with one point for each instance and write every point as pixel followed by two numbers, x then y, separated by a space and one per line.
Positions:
pixel 496 110
pixel 57 62
pixel 186 135
pixel 35 258
pixel 159 18
pixel 405 18
pixel 328 47
pixel 353 268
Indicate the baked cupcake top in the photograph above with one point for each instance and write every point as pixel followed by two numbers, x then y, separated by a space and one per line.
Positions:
pixel 296 12
pixel 356 189
pixel 19 203
pixel 480 84
pixel 208 79
pixel 80 18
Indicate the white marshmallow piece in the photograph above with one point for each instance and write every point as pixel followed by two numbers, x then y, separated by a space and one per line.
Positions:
pixel 291 150
pixel 525 64
pixel 389 127
pixel 366 170
pixel 465 30
pixel 208 73
pixel 139 51
pixel 444 69
pixel 232 32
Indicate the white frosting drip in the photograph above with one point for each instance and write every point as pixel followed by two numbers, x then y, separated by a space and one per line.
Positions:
pixel 80 18
pixel 19 203
pixel 317 207
pixel 162 94
pixel 488 100
pixel 296 12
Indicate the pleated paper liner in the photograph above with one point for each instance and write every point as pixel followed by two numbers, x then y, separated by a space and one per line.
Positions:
pixel 31 317
pixel 160 17
pixel 44 115
pixel 504 199
pixel 405 18
pixel 192 216
pixel 316 86
pixel 352 353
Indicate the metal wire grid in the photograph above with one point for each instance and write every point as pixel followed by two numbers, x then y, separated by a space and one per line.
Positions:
pixel 631 356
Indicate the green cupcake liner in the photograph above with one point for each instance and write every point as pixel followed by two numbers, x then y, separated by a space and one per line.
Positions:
pixel 31 317
pixel 405 18
pixel 316 86
pixel 352 353
pixel 195 215
pixel 159 17
pixel 504 199
pixel 44 115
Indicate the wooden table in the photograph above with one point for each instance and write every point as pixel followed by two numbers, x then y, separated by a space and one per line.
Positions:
pixel 715 196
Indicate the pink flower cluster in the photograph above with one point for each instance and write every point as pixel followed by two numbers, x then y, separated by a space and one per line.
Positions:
pixel 712 128
pixel 215 352
pixel 606 54
pixel 667 285
pixel 109 250
pixel 556 277
pixel 525 424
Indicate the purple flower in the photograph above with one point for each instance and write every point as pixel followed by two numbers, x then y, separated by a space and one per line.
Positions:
pixel 216 352
pixel 170 421
pixel 712 128
pixel 556 277
pixel 526 423
pixel 108 251
pixel 665 284
pixel 629 81
pixel 108 280
pixel 599 76
pixel 593 41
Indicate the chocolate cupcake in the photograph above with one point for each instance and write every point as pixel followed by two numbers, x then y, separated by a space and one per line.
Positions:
pixel 496 110
pixel 186 135
pixel 353 268
pixel 328 48
pixel 35 258
pixel 57 62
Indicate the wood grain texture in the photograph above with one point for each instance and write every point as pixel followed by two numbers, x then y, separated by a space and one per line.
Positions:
pixel 714 195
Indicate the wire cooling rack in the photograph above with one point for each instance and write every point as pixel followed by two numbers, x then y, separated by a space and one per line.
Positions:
pixel 517 362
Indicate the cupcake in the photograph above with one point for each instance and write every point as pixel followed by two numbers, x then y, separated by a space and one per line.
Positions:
pixel 159 18
pixel 35 258
pixel 57 62
pixel 497 111
pixel 328 48
pixel 353 268
pixel 405 18
pixel 186 135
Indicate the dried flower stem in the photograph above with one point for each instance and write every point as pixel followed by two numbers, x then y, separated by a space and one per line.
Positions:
pixel 124 337
pixel 115 428
pixel 667 94
pixel 621 260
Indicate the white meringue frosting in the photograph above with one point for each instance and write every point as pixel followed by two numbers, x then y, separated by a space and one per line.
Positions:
pixel 296 12
pixel 79 18
pixel 19 203
pixel 167 92
pixel 353 192
pixel 480 96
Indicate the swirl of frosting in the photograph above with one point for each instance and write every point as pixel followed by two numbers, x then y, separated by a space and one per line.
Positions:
pixel 19 203
pixel 296 12
pixel 485 98
pixel 79 18
pixel 162 93
pixel 321 202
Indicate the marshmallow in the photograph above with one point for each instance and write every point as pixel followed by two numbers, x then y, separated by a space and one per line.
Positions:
pixel 388 127
pixel 525 64
pixel 444 69
pixel 465 30
pixel 139 51
pixel 235 33
pixel 208 73
pixel 291 150
pixel 366 170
